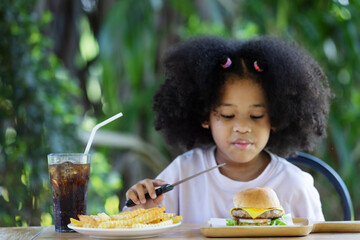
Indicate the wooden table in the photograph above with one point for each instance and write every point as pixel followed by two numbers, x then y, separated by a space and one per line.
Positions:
pixel 185 231
pixel 19 233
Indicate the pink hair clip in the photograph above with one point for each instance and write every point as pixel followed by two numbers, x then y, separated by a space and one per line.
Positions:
pixel 227 64
pixel 257 68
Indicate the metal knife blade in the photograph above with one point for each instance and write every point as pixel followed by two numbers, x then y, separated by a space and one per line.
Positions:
pixel 195 175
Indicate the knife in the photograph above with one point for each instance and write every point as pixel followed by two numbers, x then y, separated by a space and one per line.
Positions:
pixel 168 187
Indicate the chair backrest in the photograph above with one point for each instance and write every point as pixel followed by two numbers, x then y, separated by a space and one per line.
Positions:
pixel 317 164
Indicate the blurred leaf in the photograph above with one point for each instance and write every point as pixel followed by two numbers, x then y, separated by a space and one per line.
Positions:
pixel 39 114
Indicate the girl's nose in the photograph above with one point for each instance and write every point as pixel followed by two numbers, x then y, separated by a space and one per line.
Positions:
pixel 241 127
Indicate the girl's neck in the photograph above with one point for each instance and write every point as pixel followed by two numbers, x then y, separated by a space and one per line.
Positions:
pixel 245 171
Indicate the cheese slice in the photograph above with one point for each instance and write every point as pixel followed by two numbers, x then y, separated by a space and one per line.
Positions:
pixel 255 212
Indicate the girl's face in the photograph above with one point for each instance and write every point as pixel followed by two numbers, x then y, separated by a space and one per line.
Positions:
pixel 240 125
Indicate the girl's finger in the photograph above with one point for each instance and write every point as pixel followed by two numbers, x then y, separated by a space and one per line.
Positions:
pixel 131 194
pixel 140 192
pixel 159 182
pixel 149 185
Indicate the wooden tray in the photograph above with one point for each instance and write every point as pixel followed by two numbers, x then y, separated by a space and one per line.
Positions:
pixel 301 227
pixel 336 227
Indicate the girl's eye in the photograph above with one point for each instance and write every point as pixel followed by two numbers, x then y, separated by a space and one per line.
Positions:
pixel 257 117
pixel 227 116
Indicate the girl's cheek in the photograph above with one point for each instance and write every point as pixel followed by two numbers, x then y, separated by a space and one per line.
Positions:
pixel 217 116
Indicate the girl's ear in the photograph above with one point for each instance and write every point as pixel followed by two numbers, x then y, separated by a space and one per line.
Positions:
pixel 273 128
pixel 205 125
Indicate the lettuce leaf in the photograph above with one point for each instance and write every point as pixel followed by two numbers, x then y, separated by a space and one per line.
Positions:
pixel 231 222
pixel 279 221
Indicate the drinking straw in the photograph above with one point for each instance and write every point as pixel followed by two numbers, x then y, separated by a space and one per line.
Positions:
pixel 97 127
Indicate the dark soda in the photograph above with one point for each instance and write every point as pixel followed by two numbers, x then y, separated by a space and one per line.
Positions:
pixel 69 183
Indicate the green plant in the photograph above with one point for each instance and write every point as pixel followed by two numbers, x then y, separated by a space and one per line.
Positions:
pixel 38 113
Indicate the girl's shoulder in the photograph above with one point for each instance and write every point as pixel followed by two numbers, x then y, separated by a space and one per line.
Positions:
pixel 287 170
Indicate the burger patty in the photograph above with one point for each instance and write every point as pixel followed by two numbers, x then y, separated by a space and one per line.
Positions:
pixel 268 214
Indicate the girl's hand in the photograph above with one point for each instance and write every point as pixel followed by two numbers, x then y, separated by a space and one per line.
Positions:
pixel 137 193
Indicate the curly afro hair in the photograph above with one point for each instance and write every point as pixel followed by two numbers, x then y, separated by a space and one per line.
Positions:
pixel 295 86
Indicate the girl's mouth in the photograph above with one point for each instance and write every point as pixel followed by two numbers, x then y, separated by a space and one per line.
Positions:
pixel 242 145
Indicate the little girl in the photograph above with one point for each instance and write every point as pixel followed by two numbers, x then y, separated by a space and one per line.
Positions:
pixel 247 104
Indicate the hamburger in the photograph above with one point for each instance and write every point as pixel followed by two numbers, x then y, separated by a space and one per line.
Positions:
pixel 257 206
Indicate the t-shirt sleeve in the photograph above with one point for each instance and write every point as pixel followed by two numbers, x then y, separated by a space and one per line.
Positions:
pixel 304 200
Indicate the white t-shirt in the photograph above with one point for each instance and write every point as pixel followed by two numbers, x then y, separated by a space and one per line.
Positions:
pixel 210 195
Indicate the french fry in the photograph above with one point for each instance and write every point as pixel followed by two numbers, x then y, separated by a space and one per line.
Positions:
pixel 177 219
pixel 156 221
pixel 101 217
pixel 142 225
pixel 150 215
pixel 162 217
pixel 91 221
pixel 90 225
pixel 139 218
pixel 127 215
pixel 75 222
pixel 113 224
pixel 88 221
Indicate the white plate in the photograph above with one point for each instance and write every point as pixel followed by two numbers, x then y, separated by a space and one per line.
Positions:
pixel 118 233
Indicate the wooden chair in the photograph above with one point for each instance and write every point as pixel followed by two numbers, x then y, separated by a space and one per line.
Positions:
pixel 314 163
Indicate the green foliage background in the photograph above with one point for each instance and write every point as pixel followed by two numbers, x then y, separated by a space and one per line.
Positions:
pixel 42 102
pixel 38 113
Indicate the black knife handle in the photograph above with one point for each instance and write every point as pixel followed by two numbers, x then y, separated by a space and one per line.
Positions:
pixel 158 191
